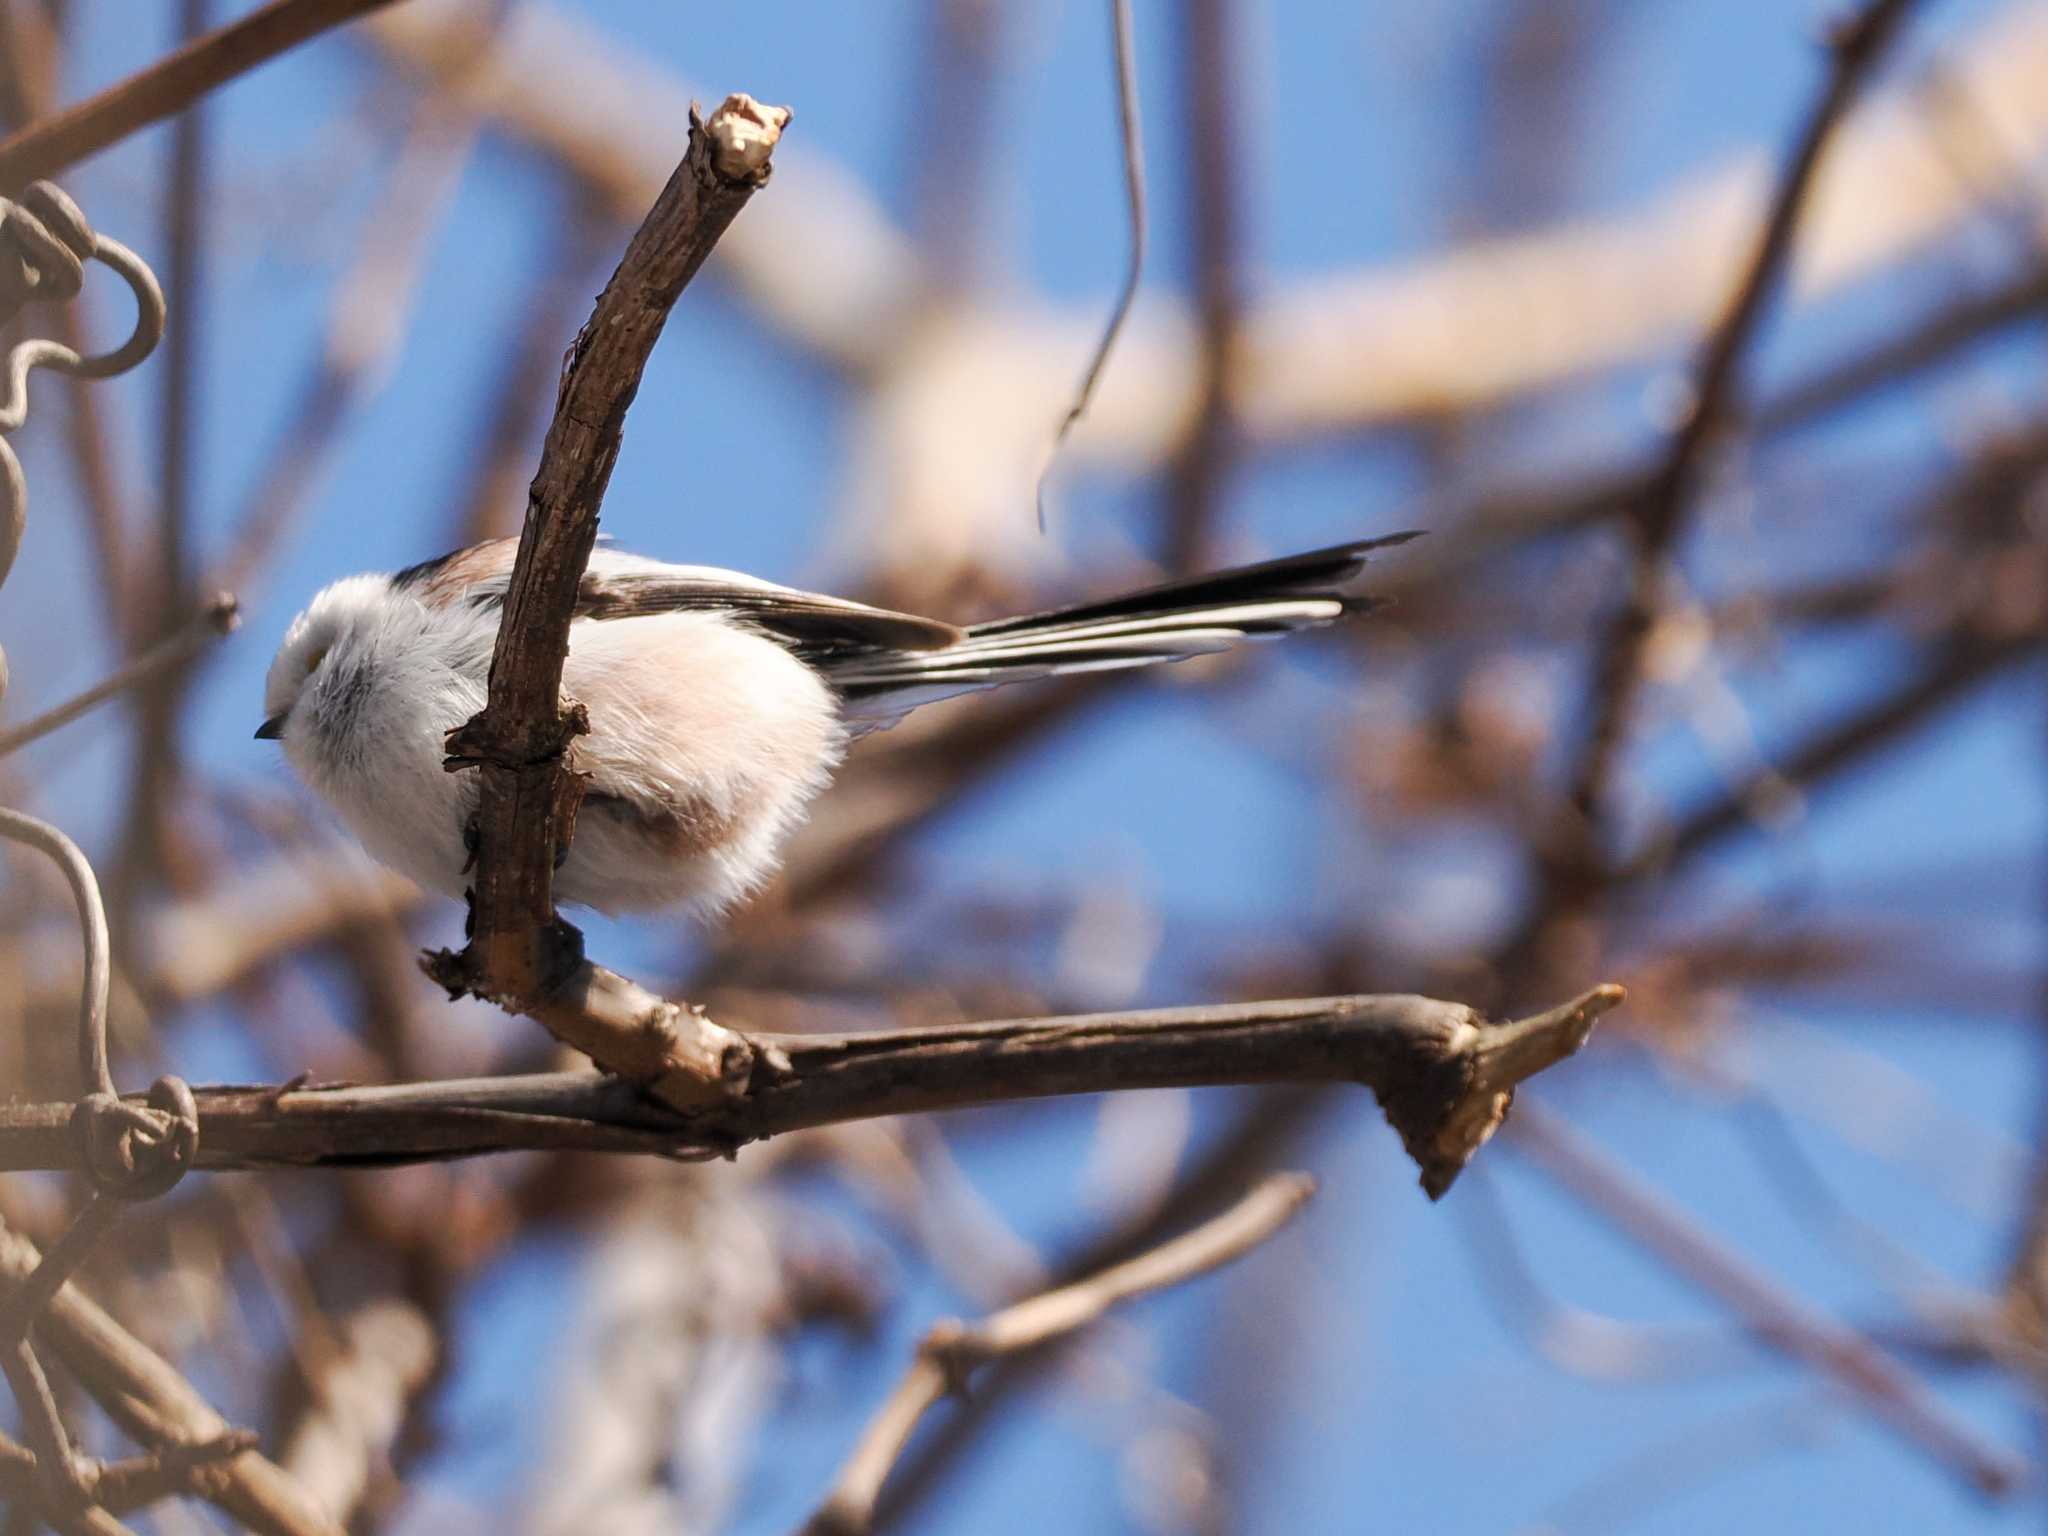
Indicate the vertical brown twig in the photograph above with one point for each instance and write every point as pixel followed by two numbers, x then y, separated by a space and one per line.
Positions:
pixel 149 849
pixel 519 742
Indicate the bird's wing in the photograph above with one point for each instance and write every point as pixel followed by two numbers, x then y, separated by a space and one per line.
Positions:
pixel 621 586
pixel 817 627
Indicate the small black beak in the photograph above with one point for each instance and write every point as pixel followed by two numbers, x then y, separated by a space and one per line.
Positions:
pixel 271 729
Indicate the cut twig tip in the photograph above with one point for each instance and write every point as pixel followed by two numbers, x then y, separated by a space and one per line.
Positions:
pixel 1504 1056
pixel 743 134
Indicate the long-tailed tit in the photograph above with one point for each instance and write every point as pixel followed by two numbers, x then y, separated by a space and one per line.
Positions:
pixel 719 704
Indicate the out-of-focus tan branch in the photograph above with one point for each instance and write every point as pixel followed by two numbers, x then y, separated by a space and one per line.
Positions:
pixel 200 945
pixel 115 1487
pixel 145 1394
pixel 1457 330
pixel 360 1395
pixel 168 86
pixel 951 1351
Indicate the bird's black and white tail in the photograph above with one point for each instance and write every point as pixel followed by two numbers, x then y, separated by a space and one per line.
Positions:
pixel 1170 622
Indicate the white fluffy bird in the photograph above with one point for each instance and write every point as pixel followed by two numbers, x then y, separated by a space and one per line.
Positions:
pixel 719 704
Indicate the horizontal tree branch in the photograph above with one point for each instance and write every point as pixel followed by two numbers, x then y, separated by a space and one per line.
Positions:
pixel 1442 1072
pixel 952 1350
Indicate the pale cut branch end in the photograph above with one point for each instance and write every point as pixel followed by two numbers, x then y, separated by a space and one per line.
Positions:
pixel 1502 1056
pixel 743 134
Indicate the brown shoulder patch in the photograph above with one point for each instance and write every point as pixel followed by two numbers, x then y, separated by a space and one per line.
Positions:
pixel 442 580
pixel 681 829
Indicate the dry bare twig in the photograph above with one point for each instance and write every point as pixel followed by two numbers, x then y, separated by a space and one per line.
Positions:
pixel 952 1350
pixel 219 617
pixel 1134 206
pixel 119 1486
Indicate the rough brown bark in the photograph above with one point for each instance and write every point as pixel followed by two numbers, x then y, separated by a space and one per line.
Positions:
pixel 519 741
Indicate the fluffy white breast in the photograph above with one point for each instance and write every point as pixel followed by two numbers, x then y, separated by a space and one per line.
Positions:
pixel 707 742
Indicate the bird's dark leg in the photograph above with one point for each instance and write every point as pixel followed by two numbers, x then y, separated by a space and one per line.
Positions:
pixel 472 840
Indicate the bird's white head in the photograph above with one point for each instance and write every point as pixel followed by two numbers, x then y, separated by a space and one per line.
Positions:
pixel 316 646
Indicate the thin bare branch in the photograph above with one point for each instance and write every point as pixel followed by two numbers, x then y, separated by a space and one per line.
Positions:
pixel 1948 677
pixel 219 617
pixel 1856 45
pixel 1134 205
pixel 952 1350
